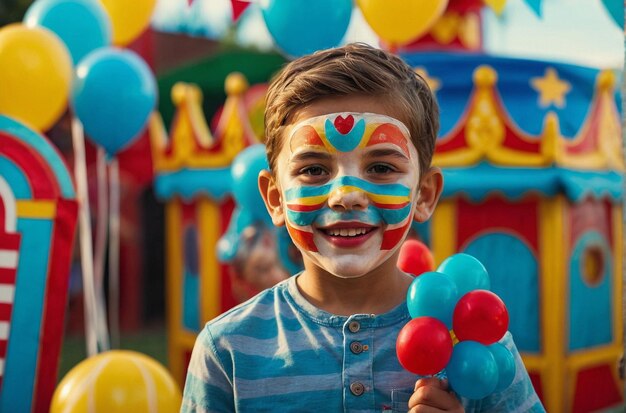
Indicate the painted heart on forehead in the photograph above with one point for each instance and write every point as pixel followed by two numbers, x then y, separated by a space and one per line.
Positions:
pixel 344 125
pixel 341 137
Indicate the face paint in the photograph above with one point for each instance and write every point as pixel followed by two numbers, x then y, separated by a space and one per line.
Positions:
pixel 340 132
pixel 389 203
pixel 350 241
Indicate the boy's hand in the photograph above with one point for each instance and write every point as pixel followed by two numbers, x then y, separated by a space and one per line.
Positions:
pixel 432 395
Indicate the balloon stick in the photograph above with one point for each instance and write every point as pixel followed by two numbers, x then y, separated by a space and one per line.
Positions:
pixel 100 248
pixel 114 251
pixel 84 226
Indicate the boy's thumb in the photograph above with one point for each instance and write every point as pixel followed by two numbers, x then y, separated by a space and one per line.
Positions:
pixel 432 381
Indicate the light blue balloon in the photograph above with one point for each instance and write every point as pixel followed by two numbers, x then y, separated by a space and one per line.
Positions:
pixel 467 273
pixel 472 370
pixel 245 172
pixel 301 27
pixel 83 25
pixel 113 95
pixel 432 294
pixel 506 365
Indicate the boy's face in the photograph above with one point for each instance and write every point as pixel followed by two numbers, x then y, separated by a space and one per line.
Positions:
pixel 347 184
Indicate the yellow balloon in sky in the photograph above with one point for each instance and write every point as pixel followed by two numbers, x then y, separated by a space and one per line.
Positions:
pixel 35 75
pixel 117 381
pixel 129 18
pixel 399 22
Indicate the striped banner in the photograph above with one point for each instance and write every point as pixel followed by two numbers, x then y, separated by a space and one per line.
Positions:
pixel 9 253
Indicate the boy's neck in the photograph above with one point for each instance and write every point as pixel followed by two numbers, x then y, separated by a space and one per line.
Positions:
pixel 374 293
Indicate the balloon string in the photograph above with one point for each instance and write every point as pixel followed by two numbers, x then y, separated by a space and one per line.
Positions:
pixel 84 227
pixel 100 249
pixel 114 251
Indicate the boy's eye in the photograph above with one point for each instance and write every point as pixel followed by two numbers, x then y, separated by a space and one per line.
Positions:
pixel 313 171
pixel 380 169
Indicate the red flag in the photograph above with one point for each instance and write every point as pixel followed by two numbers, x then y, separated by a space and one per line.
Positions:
pixel 239 6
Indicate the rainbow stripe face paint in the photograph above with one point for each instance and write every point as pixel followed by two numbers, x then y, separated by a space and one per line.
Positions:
pixel 349 189
pixel 389 203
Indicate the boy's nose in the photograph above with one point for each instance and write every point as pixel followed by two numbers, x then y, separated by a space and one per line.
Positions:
pixel 347 198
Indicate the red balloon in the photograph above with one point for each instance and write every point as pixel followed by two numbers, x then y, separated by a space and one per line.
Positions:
pixel 424 346
pixel 415 257
pixel 480 315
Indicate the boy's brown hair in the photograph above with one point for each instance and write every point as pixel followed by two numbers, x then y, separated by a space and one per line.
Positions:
pixel 354 69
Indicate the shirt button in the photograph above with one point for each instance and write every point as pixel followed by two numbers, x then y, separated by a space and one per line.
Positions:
pixel 356 347
pixel 357 388
pixel 354 326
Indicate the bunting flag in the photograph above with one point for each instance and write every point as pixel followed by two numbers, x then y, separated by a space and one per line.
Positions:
pixel 496 5
pixel 535 5
pixel 239 6
pixel 615 8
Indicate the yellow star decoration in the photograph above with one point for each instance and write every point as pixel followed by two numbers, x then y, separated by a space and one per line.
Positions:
pixel 552 90
pixel 433 83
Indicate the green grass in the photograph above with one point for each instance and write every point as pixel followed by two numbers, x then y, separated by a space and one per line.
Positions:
pixel 151 342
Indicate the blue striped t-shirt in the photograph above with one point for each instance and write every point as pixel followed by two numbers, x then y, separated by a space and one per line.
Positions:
pixel 277 352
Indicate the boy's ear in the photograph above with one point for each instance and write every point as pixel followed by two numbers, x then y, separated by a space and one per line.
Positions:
pixel 429 193
pixel 271 197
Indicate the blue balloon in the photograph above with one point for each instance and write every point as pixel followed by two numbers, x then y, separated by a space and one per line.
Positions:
pixel 506 365
pixel 432 294
pixel 245 172
pixel 472 370
pixel 301 27
pixel 467 272
pixel 113 96
pixel 83 25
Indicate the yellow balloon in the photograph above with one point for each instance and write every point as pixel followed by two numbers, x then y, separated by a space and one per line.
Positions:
pixel 128 18
pixel 35 75
pixel 400 21
pixel 117 381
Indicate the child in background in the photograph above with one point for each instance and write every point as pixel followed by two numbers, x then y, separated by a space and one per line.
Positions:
pixel 350 137
pixel 255 266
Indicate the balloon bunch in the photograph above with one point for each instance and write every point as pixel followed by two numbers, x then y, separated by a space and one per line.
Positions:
pixel 37 58
pixel 456 324
pixel 113 91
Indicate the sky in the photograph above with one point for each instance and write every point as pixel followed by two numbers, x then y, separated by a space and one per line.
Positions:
pixel 573 31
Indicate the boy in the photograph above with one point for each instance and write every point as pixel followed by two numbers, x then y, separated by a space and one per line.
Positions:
pixel 350 137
